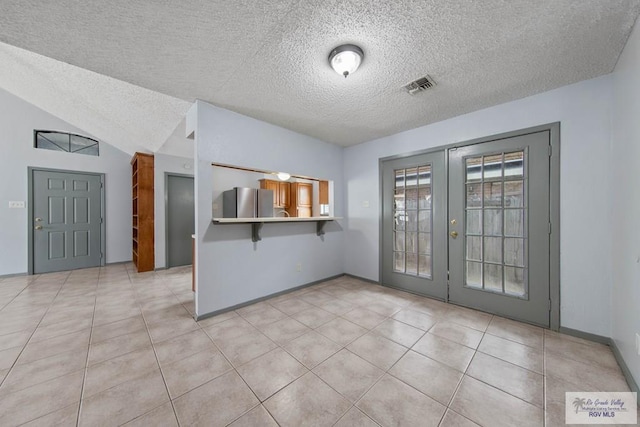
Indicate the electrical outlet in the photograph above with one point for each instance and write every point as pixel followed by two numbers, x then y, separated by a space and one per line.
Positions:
pixel 638 344
pixel 299 266
pixel 16 205
pixel 365 204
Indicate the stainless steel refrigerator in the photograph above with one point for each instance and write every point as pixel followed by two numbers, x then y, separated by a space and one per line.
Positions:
pixel 242 202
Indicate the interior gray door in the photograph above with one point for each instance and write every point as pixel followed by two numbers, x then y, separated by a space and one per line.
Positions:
pixel 180 219
pixel 499 227
pixel 67 221
pixel 414 252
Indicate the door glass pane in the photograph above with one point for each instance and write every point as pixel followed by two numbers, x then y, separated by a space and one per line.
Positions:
pixel 492 194
pixel 496 223
pixel 514 252
pixel 514 222
pixel 493 277
pixel 412 263
pixel 474 248
pixel 424 265
pixel 474 274
pixel 474 216
pixel 398 262
pixel 514 164
pixel 513 194
pixel 424 243
pixel 493 222
pixel 474 169
pixel 514 281
pixel 412 213
pixel 474 195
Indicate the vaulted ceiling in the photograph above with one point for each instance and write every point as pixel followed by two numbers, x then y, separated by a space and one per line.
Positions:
pixel 137 65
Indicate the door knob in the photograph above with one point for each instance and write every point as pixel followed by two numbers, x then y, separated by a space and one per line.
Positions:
pixel 38 219
pixel 38 227
pixel 454 234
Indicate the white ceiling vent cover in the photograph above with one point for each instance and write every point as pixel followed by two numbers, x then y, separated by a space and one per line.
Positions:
pixel 420 85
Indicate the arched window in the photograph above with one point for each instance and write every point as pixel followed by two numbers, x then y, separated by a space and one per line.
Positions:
pixel 69 142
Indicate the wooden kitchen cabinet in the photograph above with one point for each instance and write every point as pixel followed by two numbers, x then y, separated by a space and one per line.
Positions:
pixel 281 190
pixel 301 203
pixel 323 192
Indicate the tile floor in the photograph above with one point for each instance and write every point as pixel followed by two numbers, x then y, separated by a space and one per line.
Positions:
pixel 108 346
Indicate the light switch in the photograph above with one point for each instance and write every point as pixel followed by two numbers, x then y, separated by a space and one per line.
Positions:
pixel 365 204
pixel 16 204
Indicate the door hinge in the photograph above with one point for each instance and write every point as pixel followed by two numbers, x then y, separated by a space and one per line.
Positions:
pixel 550 304
pixel 101 220
pixel 549 228
pixel 550 151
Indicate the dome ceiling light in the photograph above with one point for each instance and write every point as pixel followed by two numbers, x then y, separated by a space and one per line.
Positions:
pixel 346 59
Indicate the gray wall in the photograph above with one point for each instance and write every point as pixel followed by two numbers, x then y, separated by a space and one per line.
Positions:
pixel 625 205
pixel 584 110
pixel 18 119
pixel 232 269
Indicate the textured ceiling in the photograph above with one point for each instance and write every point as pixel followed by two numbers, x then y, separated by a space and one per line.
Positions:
pixel 268 59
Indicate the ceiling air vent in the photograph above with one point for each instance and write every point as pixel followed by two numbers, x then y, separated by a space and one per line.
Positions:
pixel 420 85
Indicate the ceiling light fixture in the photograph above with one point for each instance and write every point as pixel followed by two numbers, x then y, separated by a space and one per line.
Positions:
pixel 283 176
pixel 346 59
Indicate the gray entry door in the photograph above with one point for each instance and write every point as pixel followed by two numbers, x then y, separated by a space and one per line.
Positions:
pixel 499 227
pixel 414 251
pixel 67 221
pixel 180 219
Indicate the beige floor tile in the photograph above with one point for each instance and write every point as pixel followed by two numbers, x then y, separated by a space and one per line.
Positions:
pixel 182 346
pixel 470 318
pixel 271 372
pixel 512 352
pixel 377 350
pixel 363 317
pixel 311 349
pixel 253 307
pixel 284 330
pixel 384 308
pixel 175 312
pixel 186 374
pixel 291 305
pixel 209 321
pixel 355 418
pixel 592 354
pixel 522 333
pixel 118 370
pixel 59 329
pixel 486 405
pixel 161 416
pixel 41 370
pixel 3 374
pixel 9 356
pixel 264 316
pixel 399 332
pixel 124 402
pixel 453 419
pixel 117 346
pixel 116 329
pixel 348 374
pixel 522 383
pixel 341 331
pixel 393 403
pixel 66 314
pixel 38 400
pixel 584 375
pixel 216 403
pixel 16 339
pixel 457 333
pixel 241 349
pixel 416 319
pixel 229 329
pixel 432 378
pixel 307 402
pixel 65 417
pixel 555 388
pixel 313 317
pixel 316 297
pixel 171 329
pixel 78 341
pixel 258 416
pixel 433 308
pixel 337 306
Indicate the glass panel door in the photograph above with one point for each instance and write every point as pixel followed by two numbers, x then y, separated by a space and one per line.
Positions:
pixel 499 216
pixel 414 228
